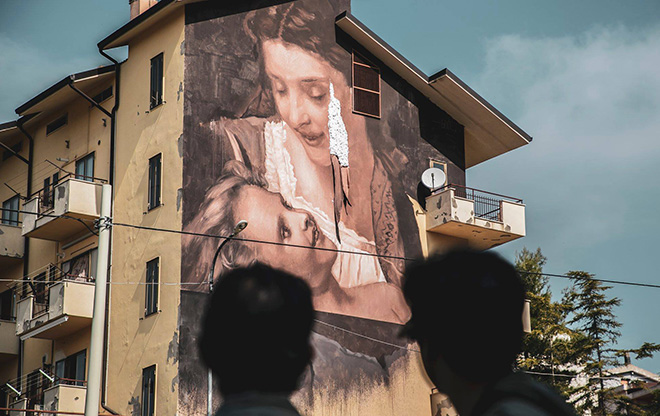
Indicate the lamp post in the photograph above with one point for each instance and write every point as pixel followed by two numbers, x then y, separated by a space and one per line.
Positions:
pixel 240 226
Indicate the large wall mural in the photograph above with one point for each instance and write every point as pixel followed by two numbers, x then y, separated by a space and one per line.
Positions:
pixel 270 138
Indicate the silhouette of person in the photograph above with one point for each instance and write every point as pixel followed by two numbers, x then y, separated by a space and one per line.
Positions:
pixel 256 340
pixel 467 318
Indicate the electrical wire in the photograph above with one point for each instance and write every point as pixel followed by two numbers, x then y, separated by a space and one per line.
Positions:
pixel 250 240
pixel 617 282
pixel 365 336
pixel 335 250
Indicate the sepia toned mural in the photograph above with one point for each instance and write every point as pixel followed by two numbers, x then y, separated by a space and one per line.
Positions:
pixel 271 138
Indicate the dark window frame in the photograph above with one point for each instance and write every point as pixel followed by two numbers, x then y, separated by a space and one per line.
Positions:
pixel 356 90
pixel 83 161
pixel 151 287
pixel 155 181
pixel 69 369
pixel 148 398
pixel 57 124
pixel 11 217
pixel 156 81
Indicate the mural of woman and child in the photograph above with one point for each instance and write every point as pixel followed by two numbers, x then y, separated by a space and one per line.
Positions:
pixel 270 138
pixel 277 174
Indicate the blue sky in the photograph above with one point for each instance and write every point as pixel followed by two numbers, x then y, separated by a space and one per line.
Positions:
pixel 581 77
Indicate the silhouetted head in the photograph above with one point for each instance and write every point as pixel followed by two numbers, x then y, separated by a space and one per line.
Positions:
pixel 256 330
pixel 466 311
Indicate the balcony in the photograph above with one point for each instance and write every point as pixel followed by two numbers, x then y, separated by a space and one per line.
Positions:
pixel 41 392
pixel 483 219
pixel 65 398
pixel 53 310
pixel 11 245
pixel 8 339
pixel 61 211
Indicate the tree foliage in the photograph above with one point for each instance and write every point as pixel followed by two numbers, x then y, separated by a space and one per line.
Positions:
pixel 549 348
pixel 592 314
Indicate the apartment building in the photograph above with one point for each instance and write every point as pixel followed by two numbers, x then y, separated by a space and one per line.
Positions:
pixel 229 111
pixel 56 155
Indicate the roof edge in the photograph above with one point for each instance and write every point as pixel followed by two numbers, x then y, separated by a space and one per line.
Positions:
pixel 430 79
pixel 348 16
pixel 61 84
pixel 447 73
pixel 136 21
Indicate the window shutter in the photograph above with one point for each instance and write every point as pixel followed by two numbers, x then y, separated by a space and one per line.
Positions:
pixel 366 87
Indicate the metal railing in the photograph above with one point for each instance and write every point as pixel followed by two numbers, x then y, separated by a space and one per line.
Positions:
pixel 32 386
pixel 486 204
pixel 39 287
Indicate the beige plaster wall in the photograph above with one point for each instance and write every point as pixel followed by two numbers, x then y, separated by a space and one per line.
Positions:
pixel 136 341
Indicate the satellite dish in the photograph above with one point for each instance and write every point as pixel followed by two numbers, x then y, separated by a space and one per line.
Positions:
pixel 433 178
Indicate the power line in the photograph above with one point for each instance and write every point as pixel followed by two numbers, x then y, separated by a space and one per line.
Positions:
pixel 250 240
pixel 365 336
pixel 334 250
pixel 618 282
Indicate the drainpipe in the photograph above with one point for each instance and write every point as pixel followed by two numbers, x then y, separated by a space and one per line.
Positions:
pixel 113 122
pixel 26 240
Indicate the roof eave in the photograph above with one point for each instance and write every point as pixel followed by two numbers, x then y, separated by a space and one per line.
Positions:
pixel 488 132
pixel 69 79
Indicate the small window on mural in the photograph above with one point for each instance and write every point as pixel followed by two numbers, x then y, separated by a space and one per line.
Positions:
pixel 440 165
pixel 366 87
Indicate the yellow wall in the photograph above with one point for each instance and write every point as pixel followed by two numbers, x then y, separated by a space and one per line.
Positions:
pixel 84 132
pixel 136 341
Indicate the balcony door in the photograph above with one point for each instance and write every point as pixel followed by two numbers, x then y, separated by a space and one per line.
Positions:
pixel 71 370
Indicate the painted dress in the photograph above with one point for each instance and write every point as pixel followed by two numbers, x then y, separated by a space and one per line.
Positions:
pixel 350 270
pixel 259 144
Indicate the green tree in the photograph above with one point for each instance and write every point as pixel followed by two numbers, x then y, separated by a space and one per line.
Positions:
pixel 548 349
pixel 592 314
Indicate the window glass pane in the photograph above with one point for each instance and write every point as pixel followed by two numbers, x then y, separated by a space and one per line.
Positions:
pixel 80 367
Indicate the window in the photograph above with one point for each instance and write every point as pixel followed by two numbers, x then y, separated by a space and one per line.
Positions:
pixel 81 268
pixel 156 93
pixel 440 165
pixel 366 87
pixel 62 121
pixel 16 149
pixel 149 391
pixel 48 195
pixel 154 181
pixel 103 95
pixel 10 210
pixel 151 288
pixel 85 168
pixel 7 305
pixel 71 370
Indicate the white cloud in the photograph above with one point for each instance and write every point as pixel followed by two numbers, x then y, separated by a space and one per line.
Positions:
pixel 592 103
pixel 591 177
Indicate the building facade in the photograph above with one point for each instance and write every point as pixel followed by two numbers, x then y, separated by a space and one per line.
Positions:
pixel 292 116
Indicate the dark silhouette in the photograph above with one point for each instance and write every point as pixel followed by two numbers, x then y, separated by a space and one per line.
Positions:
pixel 256 339
pixel 467 318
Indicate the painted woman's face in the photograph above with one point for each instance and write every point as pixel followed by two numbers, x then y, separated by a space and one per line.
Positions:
pixel 270 218
pixel 300 81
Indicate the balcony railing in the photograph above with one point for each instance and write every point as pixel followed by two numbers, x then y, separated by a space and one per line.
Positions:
pixel 482 219
pixel 61 211
pixel 11 244
pixel 42 390
pixel 54 304
pixel 487 205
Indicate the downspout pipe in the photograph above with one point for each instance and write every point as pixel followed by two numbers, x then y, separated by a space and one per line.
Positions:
pixel 26 240
pixel 113 127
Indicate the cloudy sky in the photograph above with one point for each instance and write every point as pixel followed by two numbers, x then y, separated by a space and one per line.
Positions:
pixel 580 77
